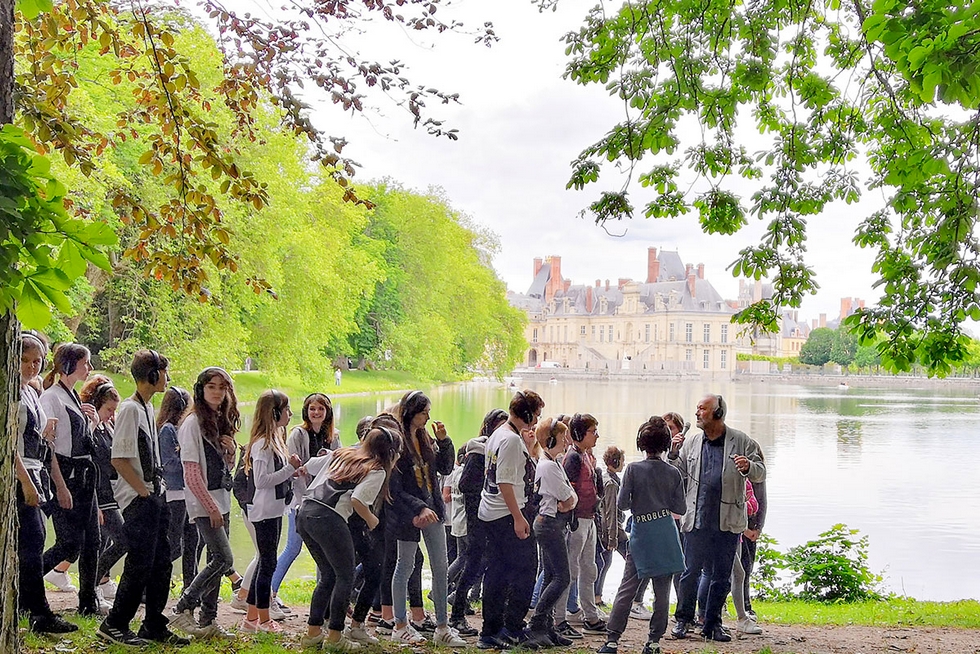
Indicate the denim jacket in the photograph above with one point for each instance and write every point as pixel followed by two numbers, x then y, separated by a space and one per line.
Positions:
pixel 173 470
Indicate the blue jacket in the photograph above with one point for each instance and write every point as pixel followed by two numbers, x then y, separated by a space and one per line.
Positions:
pixel 173 470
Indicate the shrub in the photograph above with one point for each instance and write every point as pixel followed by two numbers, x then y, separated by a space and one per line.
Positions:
pixel 834 567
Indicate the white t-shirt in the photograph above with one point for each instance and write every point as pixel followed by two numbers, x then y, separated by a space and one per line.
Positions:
pixel 57 403
pixel 264 504
pixel 192 445
pixel 553 486
pixel 506 456
pixel 29 402
pixel 133 421
pixel 366 491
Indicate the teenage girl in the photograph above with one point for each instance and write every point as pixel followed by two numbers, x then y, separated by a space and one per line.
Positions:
pixel 270 469
pixel 76 515
pixel 351 484
pixel 100 393
pixel 35 466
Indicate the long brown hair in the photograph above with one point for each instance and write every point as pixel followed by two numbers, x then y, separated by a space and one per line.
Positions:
pixel 326 429
pixel 419 444
pixel 226 421
pixel 176 401
pixel 379 450
pixel 265 428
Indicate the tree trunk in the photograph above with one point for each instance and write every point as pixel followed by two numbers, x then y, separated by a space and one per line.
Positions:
pixel 9 387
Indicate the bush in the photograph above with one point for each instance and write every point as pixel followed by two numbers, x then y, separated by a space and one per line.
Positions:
pixel 769 564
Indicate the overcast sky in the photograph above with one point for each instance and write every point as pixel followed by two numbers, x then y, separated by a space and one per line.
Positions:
pixel 520 125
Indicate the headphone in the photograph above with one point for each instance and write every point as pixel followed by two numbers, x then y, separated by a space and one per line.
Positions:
pixel 552 437
pixel 31 336
pixel 279 402
pixel 573 423
pixel 179 392
pixel 154 376
pixel 721 410
pixel 528 415
pixel 101 390
pixel 206 376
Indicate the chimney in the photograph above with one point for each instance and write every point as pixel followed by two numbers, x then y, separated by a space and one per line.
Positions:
pixel 568 284
pixel 700 271
pixel 607 284
pixel 823 319
pixel 537 266
pixel 653 266
pixel 688 269
pixel 813 323
pixel 690 281
pixel 860 304
pixel 588 299
pixel 598 283
pixel 555 282
pixel 845 307
pixel 623 281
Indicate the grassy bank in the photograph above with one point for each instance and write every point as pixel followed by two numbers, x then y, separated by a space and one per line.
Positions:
pixel 889 613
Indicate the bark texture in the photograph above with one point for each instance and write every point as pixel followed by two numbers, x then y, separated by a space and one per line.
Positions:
pixel 9 386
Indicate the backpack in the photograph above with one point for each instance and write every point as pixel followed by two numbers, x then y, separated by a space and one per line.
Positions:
pixel 242 487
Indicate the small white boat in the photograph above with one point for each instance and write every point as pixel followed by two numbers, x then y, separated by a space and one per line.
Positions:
pixel 843 386
pixel 553 380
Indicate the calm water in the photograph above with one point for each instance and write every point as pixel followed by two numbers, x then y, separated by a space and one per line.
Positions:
pixel 900 464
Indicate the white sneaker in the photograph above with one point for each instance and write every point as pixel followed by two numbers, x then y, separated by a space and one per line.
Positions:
pixel 61 581
pixel 102 605
pixel 748 626
pixel 360 635
pixel 407 635
pixel 578 617
pixel 342 645
pixel 602 615
pixel 448 637
pixel 275 613
pixel 214 632
pixel 184 621
pixel 640 612
pixel 282 607
pixel 108 589
pixel 307 642
pixel 238 604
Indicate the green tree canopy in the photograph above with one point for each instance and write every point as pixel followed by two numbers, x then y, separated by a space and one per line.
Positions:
pixel 818 347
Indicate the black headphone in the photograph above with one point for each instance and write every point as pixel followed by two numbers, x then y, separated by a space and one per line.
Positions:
pixel 528 415
pixel 552 437
pixel 154 376
pixel 31 336
pixel 101 390
pixel 179 392
pixel 721 410
pixel 206 376
pixel 279 402
pixel 572 424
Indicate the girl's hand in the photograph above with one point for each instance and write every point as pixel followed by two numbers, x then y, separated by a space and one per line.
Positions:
pixel 64 498
pixel 372 522
pixel 50 430
pixel 295 461
pixel 439 430
pixel 90 412
pixel 425 518
pixel 31 496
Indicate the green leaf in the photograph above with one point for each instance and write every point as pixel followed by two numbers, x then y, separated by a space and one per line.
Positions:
pixel 32 310
pixel 70 260
pixel 31 9
pixel 58 298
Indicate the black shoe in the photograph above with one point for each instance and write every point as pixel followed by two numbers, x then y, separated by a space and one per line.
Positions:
pixel 164 636
pixel 718 634
pixel 490 642
pixel 609 647
pixel 680 629
pixel 427 626
pixel 52 624
pixel 463 627
pixel 510 638
pixel 123 637
pixel 698 624
pixel 558 639
pixel 568 631
pixel 596 627
pixel 652 648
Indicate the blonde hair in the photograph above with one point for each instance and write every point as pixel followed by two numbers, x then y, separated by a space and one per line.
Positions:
pixel 265 427
pixel 548 427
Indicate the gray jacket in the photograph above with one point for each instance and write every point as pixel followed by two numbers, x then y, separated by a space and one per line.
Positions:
pixel 688 462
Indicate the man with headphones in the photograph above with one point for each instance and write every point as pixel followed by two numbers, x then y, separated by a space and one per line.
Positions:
pixel 714 464
pixel 140 493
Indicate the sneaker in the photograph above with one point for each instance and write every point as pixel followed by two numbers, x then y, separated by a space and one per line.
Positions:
pixel 750 613
pixel 427 626
pixel 447 638
pixel 360 635
pixel 238 604
pixel 463 627
pixel 558 640
pixel 568 631
pixel 748 626
pixel 269 627
pixel 236 586
pixel 578 617
pixel 373 618
pixel 61 581
pixel 52 624
pixel 108 589
pixel 640 612
pixel 602 615
pixel 594 626
pixel 342 645
pixel 306 641
pixel 103 606
pixel 248 626
pixel 652 648
pixel 123 637
pixel 282 607
pixel 184 621
pixel 718 634
pixel 680 630
pixel 275 613
pixel 385 626
pixel 490 642
pixel 609 647
pixel 408 635
pixel 214 631
pixel 164 636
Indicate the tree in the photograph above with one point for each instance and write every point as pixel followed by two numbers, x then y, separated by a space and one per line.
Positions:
pixel 844 348
pixel 816 351
pixel 849 96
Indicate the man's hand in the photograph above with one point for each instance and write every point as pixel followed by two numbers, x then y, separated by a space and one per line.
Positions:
pixel 741 463
pixel 521 528
pixel 752 534
pixel 676 442
pixel 50 430
pixel 64 498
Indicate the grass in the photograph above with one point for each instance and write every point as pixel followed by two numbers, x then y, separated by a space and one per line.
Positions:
pixel 888 613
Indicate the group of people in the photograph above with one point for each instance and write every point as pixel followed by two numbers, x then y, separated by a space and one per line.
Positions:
pixel 524 510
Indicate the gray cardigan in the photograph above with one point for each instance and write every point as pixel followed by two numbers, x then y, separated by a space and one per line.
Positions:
pixel 688 463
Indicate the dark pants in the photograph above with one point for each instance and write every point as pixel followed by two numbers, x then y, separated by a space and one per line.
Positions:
pixel 369 551
pixel 30 555
pixel 329 541
pixel 550 534
pixel 512 565
pixel 713 551
pixel 388 571
pixel 113 541
pixel 459 562
pixel 620 613
pixel 474 565
pixel 77 530
pixel 147 568
pixel 748 562
pixel 267 534
pixel 183 541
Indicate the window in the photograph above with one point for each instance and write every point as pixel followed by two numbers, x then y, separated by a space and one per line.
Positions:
pixel 566 334
pixel 551 334
pixel 647 333
pixel 611 334
pixel 707 332
pixel 689 354
pixel 534 335
pixel 602 334
pixel 689 332
pixel 707 359
pixel 724 333
pixel 582 331
pixel 671 331
pixel 724 359
pixel 593 332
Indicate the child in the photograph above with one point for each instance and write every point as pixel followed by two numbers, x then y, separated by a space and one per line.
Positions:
pixel 612 537
pixel 652 490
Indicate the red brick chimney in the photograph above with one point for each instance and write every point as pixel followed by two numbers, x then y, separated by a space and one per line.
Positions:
pixel 588 299
pixel 845 307
pixel 537 266
pixel 653 266
pixel 688 269
pixel 598 283
pixel 860 304
pixel 690 280
pixel 568 284
pixel 607 284
pixel 700 271
pixel 555 282
pixel 823 319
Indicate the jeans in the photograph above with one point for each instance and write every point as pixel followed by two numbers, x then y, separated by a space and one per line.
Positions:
pixel 435 545
pixel 713 551
pixel 474 565
pixel 620 613
pixel 550 534
pixel 77 529
pixel 203 591
pixel 606 557
pixel 294 545
pixel 113 541
pixel 581 566
pixel 388 572
pixel 267 534
pixel 30 554
pixel 509 580
pixel 328 538
pixel 183 541
pixel 147 568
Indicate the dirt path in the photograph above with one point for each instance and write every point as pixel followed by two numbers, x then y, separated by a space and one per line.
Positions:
pixel 780 639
